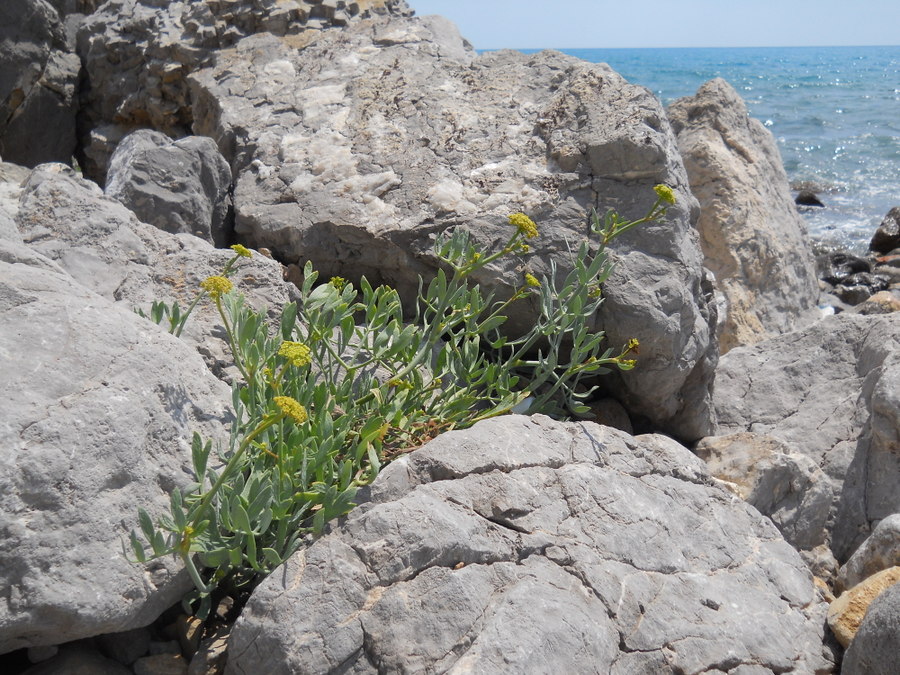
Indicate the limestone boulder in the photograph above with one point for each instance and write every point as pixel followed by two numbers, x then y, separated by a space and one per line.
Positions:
pixel 879 552
pixel 38 78
pixel 830 392
pixel 524 545
pixel 99 407
pixel 181 186
pixel 752 237
pixel 108 250
pixel 876 645
pixel 847 612
pixel 787 486
pixel 356 151
pixel 138 54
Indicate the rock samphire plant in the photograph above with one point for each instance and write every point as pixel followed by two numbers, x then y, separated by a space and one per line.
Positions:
pixel 346 383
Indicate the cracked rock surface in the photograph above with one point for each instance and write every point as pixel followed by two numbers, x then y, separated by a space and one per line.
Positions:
pixel 107 249
pixel 831 392
pixel 525 545
pixel 98 410
pixel 341 159
pixel 138 54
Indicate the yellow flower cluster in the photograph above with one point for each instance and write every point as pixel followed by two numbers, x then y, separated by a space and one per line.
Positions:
pixel 242 251
pixel 292 408
pixel 525 224
pixel 531 280
pixel 665 193
pixel 296 352
pixel 216 286
pixel 338 282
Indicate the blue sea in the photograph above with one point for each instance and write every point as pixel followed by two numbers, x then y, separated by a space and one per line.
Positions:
pixel 835 112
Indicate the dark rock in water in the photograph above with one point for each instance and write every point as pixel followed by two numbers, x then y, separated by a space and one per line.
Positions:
pixel 860 287
pixel 887 236
pixel 807 198
pixel 836 267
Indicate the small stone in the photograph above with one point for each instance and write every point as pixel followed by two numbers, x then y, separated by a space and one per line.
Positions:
pixel 167 647
pixel 778 481
pixel 836 266
pixel 847 612
pixel 42 653
pixel 211 656
pixel 887 236
pixel 161 664
pixel 77 658
pixel 189 630
pixel 609 412
pixel 126 647
pixel 883 302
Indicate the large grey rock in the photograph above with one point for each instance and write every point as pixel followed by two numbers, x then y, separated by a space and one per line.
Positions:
pixel 753 239
pixel 107 249
pixel 879 552
pixel 98 411
pixel 525 545
pixel 179 186
pixel 876 645
pixel 831 393
pixel 354 152
pixel 38 76
pixel 138 54
pixel 788 487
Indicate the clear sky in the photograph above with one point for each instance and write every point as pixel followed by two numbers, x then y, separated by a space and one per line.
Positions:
pixel 523 24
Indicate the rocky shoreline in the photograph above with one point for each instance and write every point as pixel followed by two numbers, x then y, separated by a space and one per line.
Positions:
pixel 732 487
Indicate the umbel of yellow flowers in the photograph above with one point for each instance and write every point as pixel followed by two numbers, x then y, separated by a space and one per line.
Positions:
pixel 291 408
pixel 216 286
pixel 297 353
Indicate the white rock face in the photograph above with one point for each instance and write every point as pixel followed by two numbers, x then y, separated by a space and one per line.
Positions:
pixel 139 53
pixel 379 136
pixel 753 239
